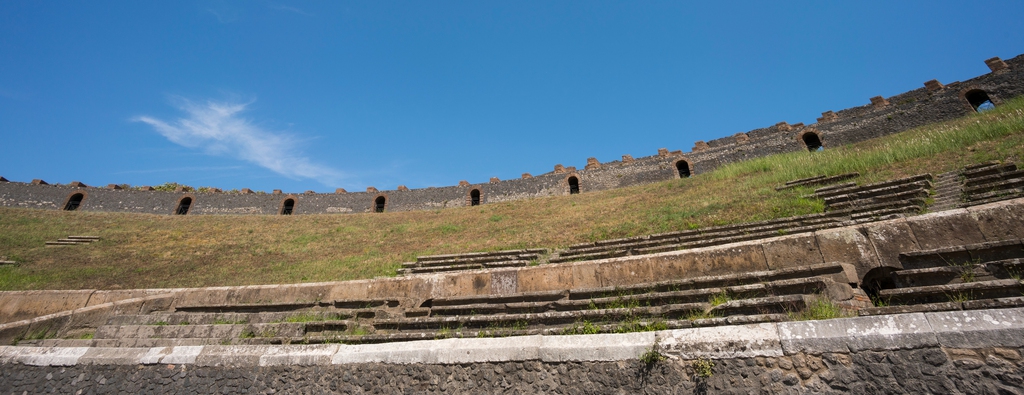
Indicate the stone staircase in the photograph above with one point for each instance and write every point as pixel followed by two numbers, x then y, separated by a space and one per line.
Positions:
pixel 754 297
pixel 473 260
pixel 976 276
pixel 73 240
pixel 948 191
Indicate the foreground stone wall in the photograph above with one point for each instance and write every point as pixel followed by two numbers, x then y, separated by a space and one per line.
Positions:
pixel 923 371
pixel 969 352
pixel 930 104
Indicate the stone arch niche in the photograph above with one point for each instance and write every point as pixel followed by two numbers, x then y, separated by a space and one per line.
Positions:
pixel 683 169
pixel 74 200
pixel 573 183
pixel 184 205
pixel 812 140
pixel 287 205
pixel 978 100
pixel 475 197
pixel 380 203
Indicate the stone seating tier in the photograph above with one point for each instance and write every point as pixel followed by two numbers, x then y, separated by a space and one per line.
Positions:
pixel 974 276
pixel 474 260
pixel 826 193
pixel 981 172
pixel 766 296
pixel 818 180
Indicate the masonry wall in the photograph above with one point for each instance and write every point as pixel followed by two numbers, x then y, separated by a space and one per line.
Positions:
pixel 890 115
pixel 920 371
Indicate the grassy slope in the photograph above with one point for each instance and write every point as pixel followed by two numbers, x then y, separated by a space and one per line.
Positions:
pixel 142 251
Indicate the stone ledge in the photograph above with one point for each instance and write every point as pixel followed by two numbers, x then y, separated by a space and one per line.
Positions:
pixel 957 329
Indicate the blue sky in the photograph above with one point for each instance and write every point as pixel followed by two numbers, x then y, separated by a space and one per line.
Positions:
pixel 318 95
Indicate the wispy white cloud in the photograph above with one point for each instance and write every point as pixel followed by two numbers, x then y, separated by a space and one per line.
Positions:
pixel 224 15
pixel 288 8
pixel 217 128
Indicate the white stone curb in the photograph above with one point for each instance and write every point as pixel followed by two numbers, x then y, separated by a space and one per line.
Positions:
pixel 958 329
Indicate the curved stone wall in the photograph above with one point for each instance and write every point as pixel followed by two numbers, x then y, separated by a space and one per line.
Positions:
pixel 932 103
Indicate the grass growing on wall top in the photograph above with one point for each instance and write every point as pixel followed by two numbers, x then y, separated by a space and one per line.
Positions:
pixel 150 251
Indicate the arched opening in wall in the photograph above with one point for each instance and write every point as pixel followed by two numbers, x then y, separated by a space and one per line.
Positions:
pixel 979 100
pixel 287 207
pixel 683 168
pixel 378 204
pixel 183 205
pixel 474 197
pixel 878 279
pixel 73 202
pixel 813 142
pixel 574 185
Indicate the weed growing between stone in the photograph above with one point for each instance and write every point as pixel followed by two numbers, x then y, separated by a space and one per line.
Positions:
pixel 959 296
pixel 821 309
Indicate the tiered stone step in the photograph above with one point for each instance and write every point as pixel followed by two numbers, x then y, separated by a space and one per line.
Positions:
pixel 818 180
pixel 73 240
pixel 895 192
pixel 699 237
pixel 984 275
pixel 975 174
pixel 993 182
pixel 281 323
pixel 473 260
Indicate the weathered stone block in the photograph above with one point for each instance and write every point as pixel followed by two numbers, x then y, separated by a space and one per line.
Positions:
pixel 890 238
pixel 945 228
pixel 789 251
pixel 847 245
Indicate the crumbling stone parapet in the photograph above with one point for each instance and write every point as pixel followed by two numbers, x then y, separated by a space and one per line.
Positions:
pixel 39 182
pixel 700 145
pixel 662 151
pixel 995 64
pixel 592 163
pixel 879 102
pixel 3 179
pixel 828 116
pixel 310 192
pixel 933 85
pixel 741 138
pixel 559 168
pixel 340 190
pixel 627 158
pixel 403 188
pixel 783 126
pixel 246 191
pixel 78 184
pixel 180 188
pixel 495 180
pixel 146 188
pixel 371 190
pixel 278 192
pixel 463 183
pixel 527 175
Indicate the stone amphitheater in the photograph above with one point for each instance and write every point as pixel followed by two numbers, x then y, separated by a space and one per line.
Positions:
pixel 928 268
